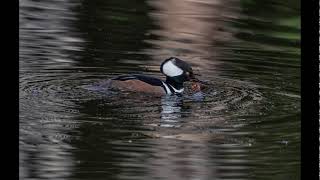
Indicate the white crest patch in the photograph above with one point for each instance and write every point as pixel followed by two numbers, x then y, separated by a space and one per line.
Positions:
pixel 171 70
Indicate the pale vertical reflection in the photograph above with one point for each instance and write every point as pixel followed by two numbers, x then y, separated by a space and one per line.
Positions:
pixel 176 159
pixel 47 35
pixel 190 29
pixel 171 111
pixel 182 160
pixel 47 41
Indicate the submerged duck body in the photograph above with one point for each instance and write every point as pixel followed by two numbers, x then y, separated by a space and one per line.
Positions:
pixel 145 84
pixel 176 71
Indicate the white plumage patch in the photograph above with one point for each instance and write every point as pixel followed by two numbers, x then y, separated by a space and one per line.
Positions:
pixel 171 69
pixel 177 90
pixel 167 88
pixel 168 91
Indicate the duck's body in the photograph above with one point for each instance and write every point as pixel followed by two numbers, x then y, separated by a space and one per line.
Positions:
pixel 138 83
pixel 175 70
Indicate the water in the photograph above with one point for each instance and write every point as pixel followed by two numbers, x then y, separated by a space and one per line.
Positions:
pixel 246 126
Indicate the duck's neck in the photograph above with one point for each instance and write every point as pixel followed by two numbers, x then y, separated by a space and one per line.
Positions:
pixel 175 83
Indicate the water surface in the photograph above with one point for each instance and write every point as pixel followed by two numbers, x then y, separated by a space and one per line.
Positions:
pixel 247 126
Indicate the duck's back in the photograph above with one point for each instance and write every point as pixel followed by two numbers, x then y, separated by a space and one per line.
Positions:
pixel 138 83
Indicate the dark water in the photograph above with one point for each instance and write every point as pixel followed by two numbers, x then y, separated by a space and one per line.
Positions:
pixel 246 127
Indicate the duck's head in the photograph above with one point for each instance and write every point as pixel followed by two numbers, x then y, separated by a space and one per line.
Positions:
pixel 177 71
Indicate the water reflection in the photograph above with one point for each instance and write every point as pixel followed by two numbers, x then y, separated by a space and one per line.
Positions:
pixel 47 37
pixel 48 46
pixel 180 144
pixel 114 31
pixel 172 159
pixel 245 127
pixel 171 111
pixel 190 30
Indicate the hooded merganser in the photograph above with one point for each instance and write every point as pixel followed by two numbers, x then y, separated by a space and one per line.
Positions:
pixel 176 71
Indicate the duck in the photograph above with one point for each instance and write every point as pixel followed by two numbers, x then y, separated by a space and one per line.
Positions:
pixel 176 71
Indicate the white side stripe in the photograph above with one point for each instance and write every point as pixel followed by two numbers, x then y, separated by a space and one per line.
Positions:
pixel 177 90
pixel 167 88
